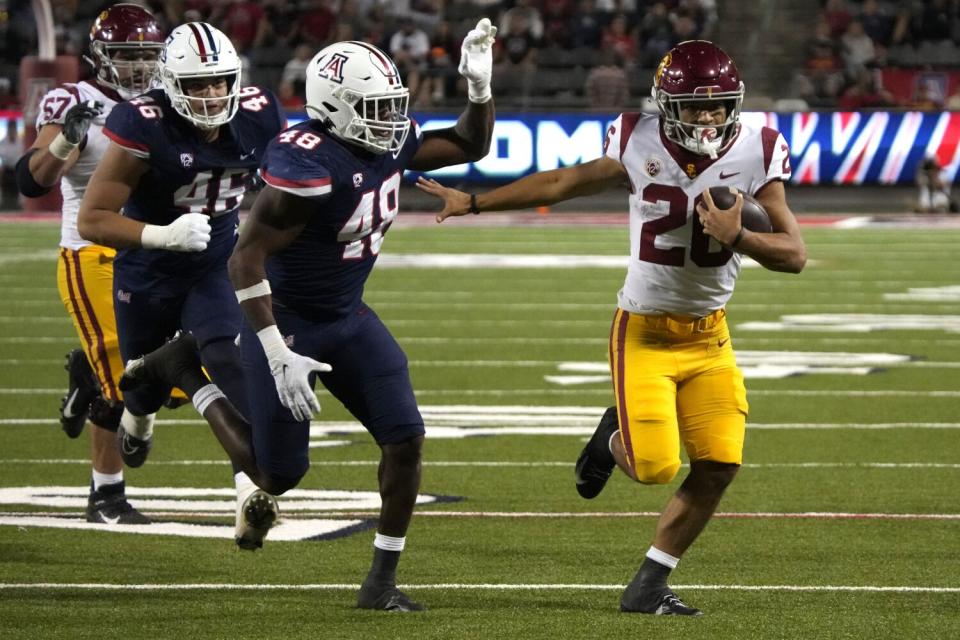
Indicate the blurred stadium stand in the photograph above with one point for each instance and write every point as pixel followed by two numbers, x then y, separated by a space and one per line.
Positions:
pixel 795 55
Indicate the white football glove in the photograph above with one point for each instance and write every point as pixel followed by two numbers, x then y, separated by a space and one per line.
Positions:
pixel 291 373
pixel 189 232
pixel 476 60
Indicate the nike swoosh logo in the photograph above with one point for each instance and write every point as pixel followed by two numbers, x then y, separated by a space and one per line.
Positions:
pixel 724 176
pixel 126 448
pixel 244 156
pixel 68 407
pixel 107 520
pixel 723 342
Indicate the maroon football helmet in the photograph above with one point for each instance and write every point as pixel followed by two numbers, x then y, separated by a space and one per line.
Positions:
pixel 125 42
pixel 698 71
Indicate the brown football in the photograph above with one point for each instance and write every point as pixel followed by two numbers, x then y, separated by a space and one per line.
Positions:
pixel 753 216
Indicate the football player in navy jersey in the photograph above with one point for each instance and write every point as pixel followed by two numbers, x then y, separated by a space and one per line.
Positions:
pixel 299 269
pixel 167 195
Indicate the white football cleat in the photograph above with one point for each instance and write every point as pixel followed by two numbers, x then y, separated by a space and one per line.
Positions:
pixel 257 512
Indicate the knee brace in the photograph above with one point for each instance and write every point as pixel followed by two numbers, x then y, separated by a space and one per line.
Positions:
pixel 105 416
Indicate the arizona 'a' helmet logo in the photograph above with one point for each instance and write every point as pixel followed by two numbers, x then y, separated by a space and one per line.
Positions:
pixel 332 69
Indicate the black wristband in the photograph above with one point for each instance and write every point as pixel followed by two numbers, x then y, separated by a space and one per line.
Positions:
pixel 473 204
pixel 737 240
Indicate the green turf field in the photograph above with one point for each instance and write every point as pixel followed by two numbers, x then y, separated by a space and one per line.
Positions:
pixel 843 523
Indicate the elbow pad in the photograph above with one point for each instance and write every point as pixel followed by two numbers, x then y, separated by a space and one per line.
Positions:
pixel 25 181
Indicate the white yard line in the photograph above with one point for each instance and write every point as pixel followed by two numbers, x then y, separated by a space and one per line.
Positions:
pixel 455 586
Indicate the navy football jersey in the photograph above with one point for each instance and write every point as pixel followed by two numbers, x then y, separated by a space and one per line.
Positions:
pixel 188 175
pixel 322 272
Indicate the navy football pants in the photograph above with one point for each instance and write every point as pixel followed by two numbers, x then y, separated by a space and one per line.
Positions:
pixel 369 377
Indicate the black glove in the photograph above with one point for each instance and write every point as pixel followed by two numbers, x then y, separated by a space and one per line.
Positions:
pixel 78 119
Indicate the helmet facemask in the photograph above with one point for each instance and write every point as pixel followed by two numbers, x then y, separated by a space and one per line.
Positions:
pixel 125 73
pixel 200 56
pixel 707 140
pixel 378 122
pixel 202 110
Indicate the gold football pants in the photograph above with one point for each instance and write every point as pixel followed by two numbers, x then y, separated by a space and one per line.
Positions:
pixel 676 379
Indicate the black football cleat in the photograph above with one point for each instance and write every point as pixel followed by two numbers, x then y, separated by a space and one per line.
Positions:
pixel 659 602
pixel 109 506
pixel 133 450
pixel 83 388
pixel 386 599
pixel 257 512
pixel 165 365
pixel 596 463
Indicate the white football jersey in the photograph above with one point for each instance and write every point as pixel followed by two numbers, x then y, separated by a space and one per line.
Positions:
pixel 53 109
pixel 674 266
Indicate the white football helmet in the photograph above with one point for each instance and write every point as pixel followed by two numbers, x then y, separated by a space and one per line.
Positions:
pixel 356 88
pixel 197 50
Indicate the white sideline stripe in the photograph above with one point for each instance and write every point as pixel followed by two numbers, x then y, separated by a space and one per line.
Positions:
pixel 517 464
pixel 225 586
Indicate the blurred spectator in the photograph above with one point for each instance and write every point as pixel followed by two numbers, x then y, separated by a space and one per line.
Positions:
pixel 526 13
pixel 586 26
pixel 520 44
pixel 877 24
pixel 858 51
pixel 617 6
pixel 353 14
pixel 316 22
pixel 375 28
pixel 902 33
pixel 9 154
pixel 934 188
pixel 280 26
pixel 684 28
pixel 442 64
pixel 289 98
pixel 821 79
pixel 617 38
pixel 837 15
pixel 7 99
pixel 295 71
pixel 607 86
pixel 705 12
pixel 556 19
pixel 932 22
pixel 239 20
pixel 865 93
pixel 656 34
pixel 410 47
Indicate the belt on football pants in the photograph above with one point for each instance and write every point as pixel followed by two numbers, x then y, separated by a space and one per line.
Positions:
pixel 682 325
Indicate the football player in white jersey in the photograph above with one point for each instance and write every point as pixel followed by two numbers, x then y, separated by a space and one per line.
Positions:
pixel 673 367
pixel 125 42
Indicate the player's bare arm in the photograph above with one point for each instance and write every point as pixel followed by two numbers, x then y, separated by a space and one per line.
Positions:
pixel 276 219
pixel 56 149
pixel 782 250
pixel 109 189
pixel 467 141
pixel 46 168
pixel 538 189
